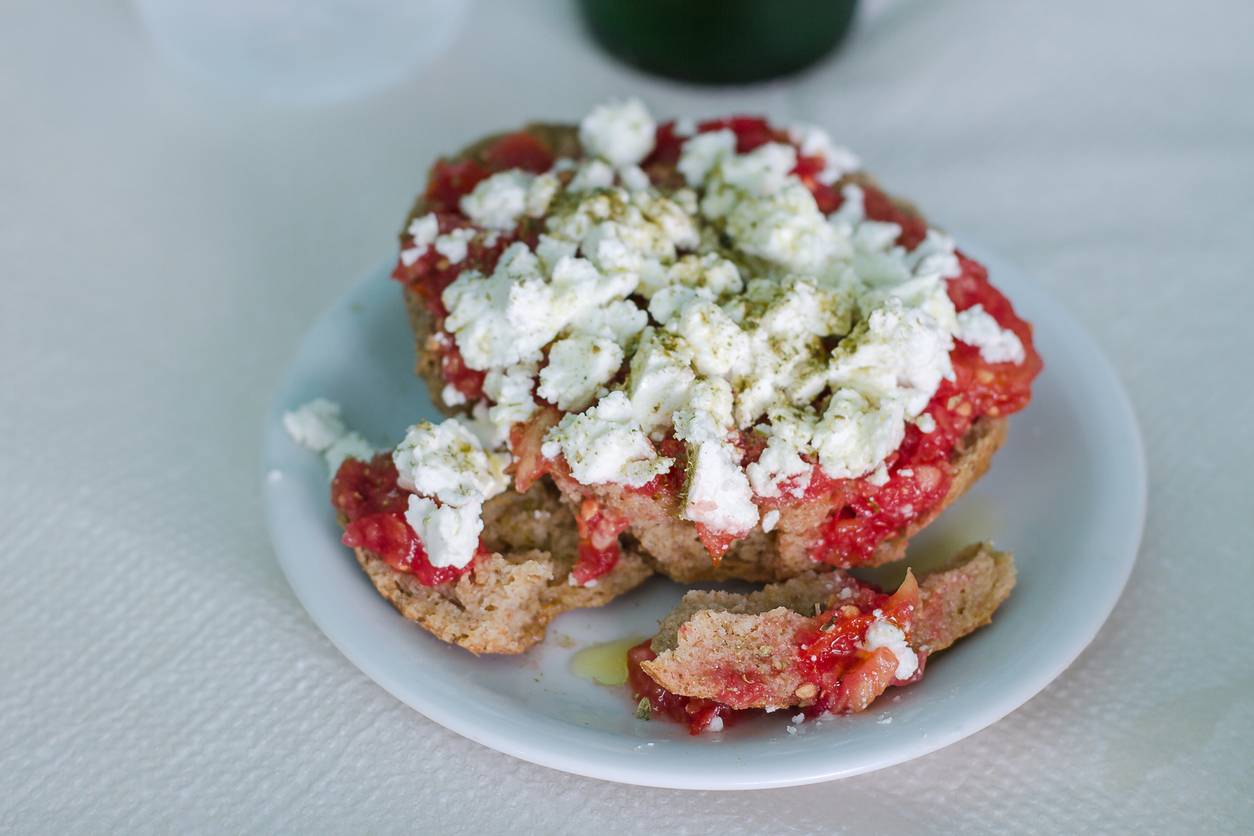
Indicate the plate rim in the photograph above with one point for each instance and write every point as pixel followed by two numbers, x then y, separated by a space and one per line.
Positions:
pixel 1119 409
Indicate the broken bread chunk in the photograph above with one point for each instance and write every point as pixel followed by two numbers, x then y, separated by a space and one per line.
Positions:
pixel 825 642
pixel 518 584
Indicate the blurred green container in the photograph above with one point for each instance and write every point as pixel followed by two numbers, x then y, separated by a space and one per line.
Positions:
pixel 719 41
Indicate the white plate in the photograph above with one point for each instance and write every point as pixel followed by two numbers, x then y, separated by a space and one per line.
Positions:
pixel 1066 494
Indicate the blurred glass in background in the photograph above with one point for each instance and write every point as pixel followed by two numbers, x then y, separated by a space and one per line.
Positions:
pixel 302 51
pixel 719 41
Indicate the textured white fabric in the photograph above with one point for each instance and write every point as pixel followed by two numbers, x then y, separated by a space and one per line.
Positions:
pixel 162 249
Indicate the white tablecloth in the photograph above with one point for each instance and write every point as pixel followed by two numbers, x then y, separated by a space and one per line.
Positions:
pixel 163 247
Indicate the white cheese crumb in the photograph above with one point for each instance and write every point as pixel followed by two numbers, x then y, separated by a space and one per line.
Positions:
pixel 790 729
pixel 799 718
pixel 578 366
pixel 449 533
pixel 454 245
pixel 719 347
pixel 660 380
pixel 716 725
pixel 770 519
pixel 761 172
pixel 855 434
pixel 996 344
pixel 633 178
pixel 785 227
pixel 315 425
pixel 349 446
pixel 717 493
pixel 815 142
pixel 498 201
pixel 926 423
pixel 452 396
pixel 621 132
pixel 507 318
pixel 701 154
pixel 781 463
pixel 446 461
pixel 423 231
pixel 591 175
pixel 318 426
pixel 605 444
pixel 883 633
pixel 510 389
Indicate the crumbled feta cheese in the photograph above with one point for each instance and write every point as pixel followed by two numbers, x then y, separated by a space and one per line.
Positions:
pixel 551 250
pixel 449 533
pixel 454 245
pixel 447 462
pixel 718 345
pixel 977 327
pixel 619 321
pixel 319 426
pixel 855 434
pixel 898 354
pixel 660 379
pixel 716 724
pixel 702 154
pixel 498 201
pixel 707 416
pixel 315 425
pixel 424 229
pixel 507 318
pixel 785 228
pixel 605 444
pixel 799 718
pixel 769 520
pixel 789 362
pixel 491 436
pixel 543 188
pixel 852 209
pixel 710 273
pixel 717 493
pixel 510 390
pixel 452 396
pixel 884 633
pixel 633 178
pixel 592 175
pixel 423 232
pixel 926 423
pixel 748 285
pixel 815 142
pixel 761 172
pixel 780 468
pixel 620 132
pixel 577 367
pixel 348 446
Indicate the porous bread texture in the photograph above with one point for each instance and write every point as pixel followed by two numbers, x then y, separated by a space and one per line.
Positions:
pixel 667 542
pixel 739 650
pixel 504 604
